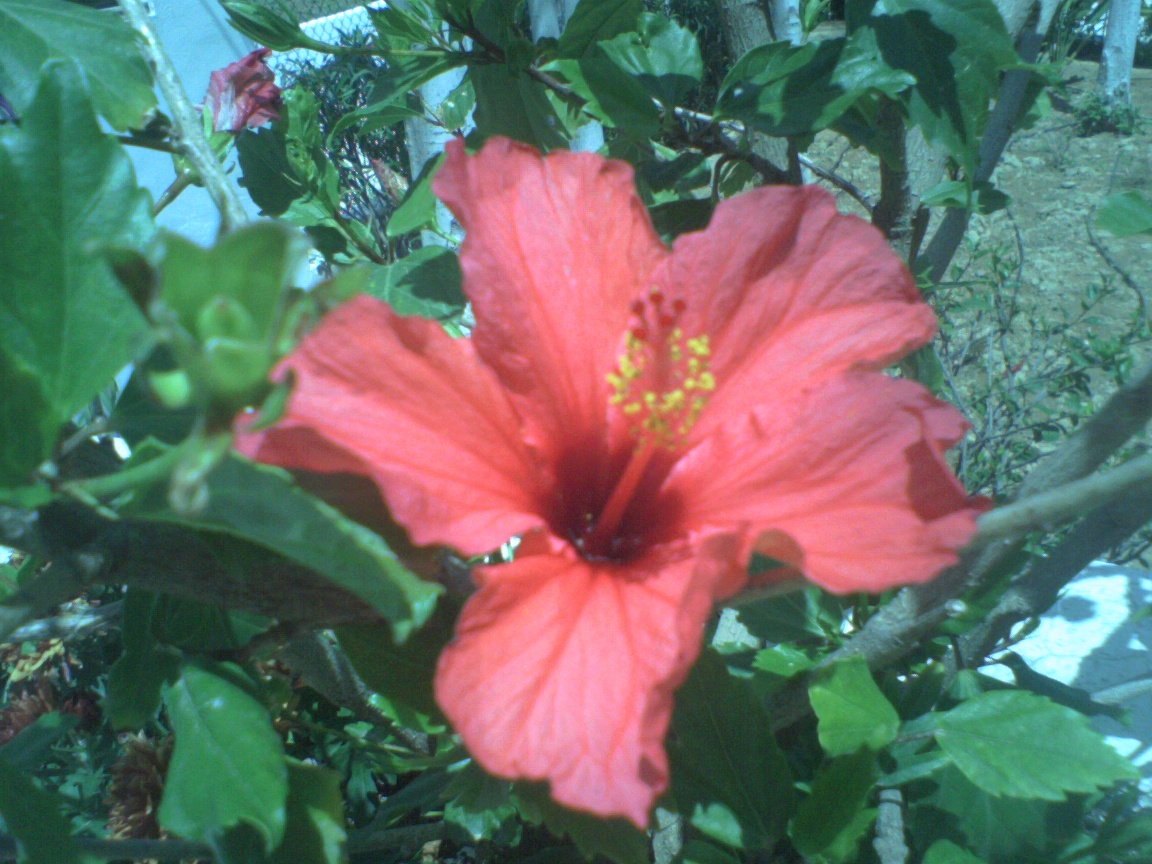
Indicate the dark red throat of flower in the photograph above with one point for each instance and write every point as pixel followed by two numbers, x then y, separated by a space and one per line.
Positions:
pixel 661 384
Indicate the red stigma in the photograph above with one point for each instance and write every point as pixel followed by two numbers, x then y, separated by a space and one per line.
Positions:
pixel 638 308
pixel 678 305
pixel 656 297
pixel 666 321
pixel 640 334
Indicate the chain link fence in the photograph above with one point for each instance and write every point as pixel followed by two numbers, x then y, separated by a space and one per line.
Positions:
pixel 327 20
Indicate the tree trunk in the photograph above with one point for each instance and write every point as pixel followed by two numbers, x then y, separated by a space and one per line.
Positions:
pixel 548 19
pixel 786 21
pixel 1115 79
pixel 746 26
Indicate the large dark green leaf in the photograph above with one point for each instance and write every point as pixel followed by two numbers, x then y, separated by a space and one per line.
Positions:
pixel 996 828
pixel 728 774
pixel 33 816
pixel 425 283
pixel 1014 743
pixel 955 50
pixel 834 813
pixel 611 95
pixel 27 423
pixel 852 711
pixel 315 831
pixel 947 852
pixel 69 191
pixel 33 31
pixel 266 171
pixel 262 504
pixel 138 676
pixel 514 106
pixel 789 90
pixel 29 749
pixel 478 803
pixel 596 20
pixel 615 839
pixel 228 763
pixel 661 55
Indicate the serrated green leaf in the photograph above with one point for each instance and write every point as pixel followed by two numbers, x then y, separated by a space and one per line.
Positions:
pixel 418 209
pixel 1014 743
pixel 954 49
pixel 1125 214
pixel 947 852
pixel 995 828
pixel 617 840
pixel 315 832
pixel 787 90
pixel 661 55
pixel 478 803
pixel 228 763
pixel 428 283
pixel 69 192
pixel 34 31
pixel 514 106
pixel 597 20
pixel 834 805
pixel 852 711
pixel 728 774
pixel 262 504
pixel 136 679
pixel 783 660
pixel 33 816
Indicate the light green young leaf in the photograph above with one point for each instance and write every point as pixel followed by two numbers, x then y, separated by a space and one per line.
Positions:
pixel 33 816
pixel 33 31
pixel 852 711
pixel 228 763
pixel 728 774
pixel 69 192
pixel 1125 214
pixel 418 209
pixel 1010 742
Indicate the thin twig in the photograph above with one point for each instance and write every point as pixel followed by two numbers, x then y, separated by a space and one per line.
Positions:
pixel 182 182
pixel 187 129
pixel 862 198
pixel 1103 252
pixel 1064 504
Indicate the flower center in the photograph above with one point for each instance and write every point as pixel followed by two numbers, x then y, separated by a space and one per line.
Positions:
pixel 661 384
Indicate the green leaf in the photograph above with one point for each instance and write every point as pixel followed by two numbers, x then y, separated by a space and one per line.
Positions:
pixel 594 21
pixel 662 56
pixel 403 75
pixel 33 816
pixel 1125 214
pixel 1014 743
pixel 262 504
pixel 787 90
pixel 947 852
pixel 265 27
pixel 783 660
pixel 514 106
pixel 612 95
pixel 674 218
pixel 28 424
pixel 69 192
pixel 703 852
pixel 315 832
pixel 228 763
pixel 955 50
pixel 418 209
pixel 401 674
pixel 996 828
pixel 34 31
pixel 852 711
pixel 27 751
pixel 834 805
pixel 616 839
pixel 136 679
pixel 425 283
pixel 479 804
pixel 266 171
pixel 982 197
pixel 457 105
pixel 804 617
pixel 728 774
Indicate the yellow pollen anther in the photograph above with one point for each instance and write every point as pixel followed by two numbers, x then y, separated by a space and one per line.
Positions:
pixel 662 380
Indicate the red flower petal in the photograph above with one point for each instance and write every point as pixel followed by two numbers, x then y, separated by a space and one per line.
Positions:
pixel 564 670
pixel 789 290
pixel 421 415
pixel 850 474
pixel 556 250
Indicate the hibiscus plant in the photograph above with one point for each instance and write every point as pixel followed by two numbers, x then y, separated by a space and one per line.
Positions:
pixel 593 504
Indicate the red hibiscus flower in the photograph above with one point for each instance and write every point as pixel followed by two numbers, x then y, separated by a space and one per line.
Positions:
pixel 244 94
pixel 645 419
